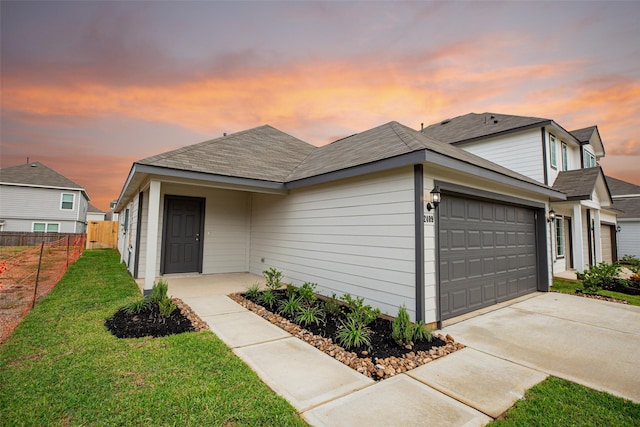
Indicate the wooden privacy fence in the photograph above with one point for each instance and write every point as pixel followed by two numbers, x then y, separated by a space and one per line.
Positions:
pixel 30 238
pixel 102 234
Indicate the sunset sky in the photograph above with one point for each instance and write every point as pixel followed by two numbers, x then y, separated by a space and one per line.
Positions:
pixel 90 87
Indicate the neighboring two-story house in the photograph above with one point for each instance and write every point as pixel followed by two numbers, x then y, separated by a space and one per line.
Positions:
pixel 35 198
pixel 584 224
pixel 626 200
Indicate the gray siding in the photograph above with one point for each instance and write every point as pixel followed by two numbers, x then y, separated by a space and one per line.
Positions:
pixel 353 236
pixel 21 206
pixel 629 238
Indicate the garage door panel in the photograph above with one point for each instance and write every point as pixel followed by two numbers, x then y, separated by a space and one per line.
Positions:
pixel 487 253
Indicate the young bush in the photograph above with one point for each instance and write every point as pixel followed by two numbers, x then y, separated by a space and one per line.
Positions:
pixel 598 276
pixel 138 306
pixel 267 298
pixel 289 306
pixel 331 305
pixel 310 314
pixel 308 291
pixel 166 307
pixel 159 291
pixel 273 277
pixel 421 333
pixel 353 334
pixel 402 329
pixel 253 291
pixel 361 313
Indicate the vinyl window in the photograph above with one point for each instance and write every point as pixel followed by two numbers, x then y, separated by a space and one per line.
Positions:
pixel 553 153
pixel 560 244
pixel 67 201
pixel 589 160
pixel 565 157
pixel 45 227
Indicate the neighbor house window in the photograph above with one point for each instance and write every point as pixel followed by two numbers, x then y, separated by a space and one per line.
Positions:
pixel 565 157
pixel 560 237
pixel 589 160
pixel 67 201
pixel 46 227
pixel 553 154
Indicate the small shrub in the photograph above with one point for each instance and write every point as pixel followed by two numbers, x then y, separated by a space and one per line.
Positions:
pixel 632 262
pixel 598 276
pixel 310 314
pixel 138 306
pixel 353 334
pixel 331 305
pixel 308 291
pixel 291 290
pixel 289 306
pixel 253 291
pixel 273 277
pixel 267 298
pixel 361 313
pixel 159 291
pixel 402 329
pixel 421 333
pixel 166 307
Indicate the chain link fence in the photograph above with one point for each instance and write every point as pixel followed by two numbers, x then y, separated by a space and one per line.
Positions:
pixel 29 273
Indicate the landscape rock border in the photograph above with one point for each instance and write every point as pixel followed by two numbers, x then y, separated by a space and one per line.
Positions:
pixel 197 323
pixel 377 369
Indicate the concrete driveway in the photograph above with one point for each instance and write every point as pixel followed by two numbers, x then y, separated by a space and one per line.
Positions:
pixel 590 342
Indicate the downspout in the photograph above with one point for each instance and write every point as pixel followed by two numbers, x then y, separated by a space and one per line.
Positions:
pixel 418 191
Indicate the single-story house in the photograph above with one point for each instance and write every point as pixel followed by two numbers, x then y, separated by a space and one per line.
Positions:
pixel 95 214
pixel 355 216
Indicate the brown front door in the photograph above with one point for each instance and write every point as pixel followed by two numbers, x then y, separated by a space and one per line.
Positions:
pixel 182 235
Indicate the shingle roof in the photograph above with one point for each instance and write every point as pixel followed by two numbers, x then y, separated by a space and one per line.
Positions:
pixel 627 207
pixel 577 184
pixel 382 142
pixel 584 134
pixel 36 174
pixel 93 209
pixel 472 126
pixel 262 153
pixel 619 187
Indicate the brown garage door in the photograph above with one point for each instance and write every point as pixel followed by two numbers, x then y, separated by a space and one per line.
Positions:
pixel 607 237
pixel 487 254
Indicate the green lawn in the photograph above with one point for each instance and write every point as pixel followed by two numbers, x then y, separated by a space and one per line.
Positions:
pixel 569 287
pixel 556 403
pixel 62 367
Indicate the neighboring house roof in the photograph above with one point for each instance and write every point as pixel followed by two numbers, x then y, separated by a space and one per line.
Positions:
pixel 626 198
pixel 620 188
pixel 475 126
pixel 579 184
pixel 36 174
pixel 262 153
pixel 627 207
pixel 93 209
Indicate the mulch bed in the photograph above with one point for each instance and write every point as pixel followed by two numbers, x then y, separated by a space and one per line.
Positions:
pixel 149 322
pixel 383 359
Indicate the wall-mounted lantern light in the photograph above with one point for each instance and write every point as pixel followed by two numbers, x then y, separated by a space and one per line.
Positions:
pixel 552 216
pixel 618 229
pixel 435 197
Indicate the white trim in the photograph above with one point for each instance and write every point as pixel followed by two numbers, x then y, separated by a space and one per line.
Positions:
pixel 46 226
pixel 16 184
pixel 73 202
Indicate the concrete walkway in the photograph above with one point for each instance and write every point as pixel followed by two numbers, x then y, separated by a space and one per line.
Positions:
pixel 466 388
